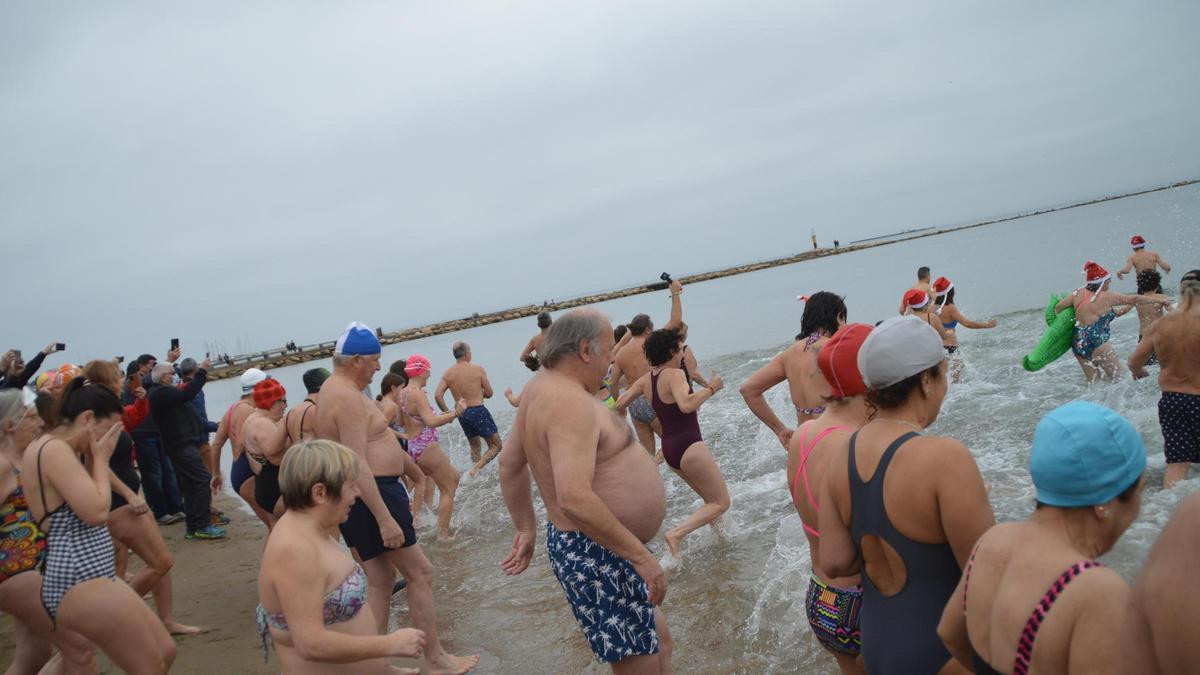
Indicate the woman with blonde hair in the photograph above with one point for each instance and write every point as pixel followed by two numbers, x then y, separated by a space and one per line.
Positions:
pixel 312 594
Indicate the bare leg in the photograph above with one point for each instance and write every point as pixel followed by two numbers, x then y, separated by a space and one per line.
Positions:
pixel 700 471
pixel 381 577
pixel 31 653
pixel 247 495
pixel 1175 472
pixel 850 665
pixel 436 465
pixel 1106 359
pixel 651 664
pixel 141 534
pixel 121 557
pixel 1090 372
pixel 415 567
pixel 111 615
pixel 494 445
pixel 645 436
pixel 476 446
pixel 21 596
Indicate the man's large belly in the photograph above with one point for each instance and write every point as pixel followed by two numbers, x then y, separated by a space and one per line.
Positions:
pixel 385 456
pixel 629 484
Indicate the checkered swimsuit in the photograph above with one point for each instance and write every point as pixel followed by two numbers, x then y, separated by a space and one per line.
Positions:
pixel 75 551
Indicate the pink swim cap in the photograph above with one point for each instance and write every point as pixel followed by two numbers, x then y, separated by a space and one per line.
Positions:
pixel 416 366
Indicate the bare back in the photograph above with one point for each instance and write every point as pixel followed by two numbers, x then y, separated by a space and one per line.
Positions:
pixel 1089 306
pixel 632 359
pixel 625 479
pixel 1176 339
pixel 805 381
pixel 237 419
pixel 469 382
pixel 816 465
pixel 345 414
pixel 301 422
pixel 1145 260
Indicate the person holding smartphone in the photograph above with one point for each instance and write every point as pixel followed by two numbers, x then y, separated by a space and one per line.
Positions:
pixel 15 373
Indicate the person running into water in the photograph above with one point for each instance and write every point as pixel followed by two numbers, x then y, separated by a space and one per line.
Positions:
pixel 1173 339
pixel 951 317
pixel 1142 260
pixel 311 594
pixel 690 367
pixel 1013 611
pixel 675 403
pixel 379 527
pixel 1149 284
pixel 266 442
pixel 604 499
pixel 420 424
pixel 529 355
pixel 69 501
pixel 824 314
pixel 902 508
pixel 833 604
pixel 1164 608
pixel 241 474
pixel 469 382
pixel 630 365
pixel 1095 308
pixel 22 550
pixel 921 285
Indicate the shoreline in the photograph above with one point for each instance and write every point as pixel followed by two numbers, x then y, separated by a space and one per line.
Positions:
pixel 281 357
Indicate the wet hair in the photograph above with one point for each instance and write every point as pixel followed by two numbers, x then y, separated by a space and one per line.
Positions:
pixel 660 344
pixel 188 367
pixel 145 359
pixel 821 314
pixel 923 273
pixel 531 362
pixel 80 397
pixel 640 324
pixel 308 463
pixel 893 396
pixel 390 381
pixel 460 350
pixel 948 298
pixel 1149 281
pixel 104 373
pixel 619 332
pixel 12 407
pixel 544 321
pixel 567 335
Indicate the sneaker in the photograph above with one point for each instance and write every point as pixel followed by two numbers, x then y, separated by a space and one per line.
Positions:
pixel 209 532
pixel 169 519
pixel 219 518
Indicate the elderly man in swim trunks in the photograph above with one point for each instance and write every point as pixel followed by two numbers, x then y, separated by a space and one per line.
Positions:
pixel 1141 259
pixel 469 382
pixel 1174 339
pixel 824 314
pixel 379 527
pixel 604 499
pixel 630 364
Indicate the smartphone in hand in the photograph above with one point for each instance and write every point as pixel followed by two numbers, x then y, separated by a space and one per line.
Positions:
pixel 60 346
pixel 174 344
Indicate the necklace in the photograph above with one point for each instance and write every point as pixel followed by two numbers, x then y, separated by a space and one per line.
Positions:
pixel 893 421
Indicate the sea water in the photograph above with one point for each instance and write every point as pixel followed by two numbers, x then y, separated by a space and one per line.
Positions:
pixel 737 602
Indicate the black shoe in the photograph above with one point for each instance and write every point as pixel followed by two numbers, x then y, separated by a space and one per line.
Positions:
pixel 401 583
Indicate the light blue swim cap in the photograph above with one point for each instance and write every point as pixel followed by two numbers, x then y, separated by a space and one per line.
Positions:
pixel 357 340
pixel 1084 454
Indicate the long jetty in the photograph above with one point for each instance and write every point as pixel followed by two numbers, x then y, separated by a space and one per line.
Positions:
pixel 280 357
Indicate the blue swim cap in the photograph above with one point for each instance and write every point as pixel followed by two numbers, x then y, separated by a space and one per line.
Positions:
pixel 358 340
pixel 1084 454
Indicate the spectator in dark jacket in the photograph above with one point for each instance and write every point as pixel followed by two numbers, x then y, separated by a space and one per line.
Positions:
pixel 159 484
pixel 182 433
pixel 15 373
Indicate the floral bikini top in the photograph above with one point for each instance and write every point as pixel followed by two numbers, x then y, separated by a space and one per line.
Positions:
pixel 341 604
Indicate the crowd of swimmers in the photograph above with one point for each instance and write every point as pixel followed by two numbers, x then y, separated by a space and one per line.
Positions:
pixel 909 570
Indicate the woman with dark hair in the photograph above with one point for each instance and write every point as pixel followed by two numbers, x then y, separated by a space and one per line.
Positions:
pixel 950 316
pixel 902 508
pixel 675 403
pixel 824 314
pixel 130 521
pixel 988 624
pixel 70 500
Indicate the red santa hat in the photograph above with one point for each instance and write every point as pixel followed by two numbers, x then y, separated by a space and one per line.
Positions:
pixel 941 287
pixel 1138 241
pixel 916 298
pixel 1095 273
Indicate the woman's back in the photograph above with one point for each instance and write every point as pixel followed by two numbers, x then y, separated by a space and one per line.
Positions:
pixel 810 454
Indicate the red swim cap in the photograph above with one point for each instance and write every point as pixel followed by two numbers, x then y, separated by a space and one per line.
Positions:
pixel 416 366
pixel 916 298
pixel 838 360
pixel 1138 241
pixel 267 393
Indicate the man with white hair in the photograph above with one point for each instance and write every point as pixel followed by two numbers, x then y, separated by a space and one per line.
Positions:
pixel 469 382
pixel 182 433
pixel 379 526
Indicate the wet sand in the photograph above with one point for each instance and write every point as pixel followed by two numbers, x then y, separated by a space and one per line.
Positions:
pixel 215 587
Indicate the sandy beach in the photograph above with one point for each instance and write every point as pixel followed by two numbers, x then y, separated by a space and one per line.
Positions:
pixel 215 587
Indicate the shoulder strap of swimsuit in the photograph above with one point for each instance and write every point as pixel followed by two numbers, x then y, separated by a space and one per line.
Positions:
pixel 802 471
pixel 1029 633
pixel 654 388
pixel 42 484
pixel 967 571
pixel 886 460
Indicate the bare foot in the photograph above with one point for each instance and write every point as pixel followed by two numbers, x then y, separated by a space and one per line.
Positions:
pixel 673 541
pixel 473 472
pixel 449 664
pixel 445 536
pixel 176 628
pixel 404 671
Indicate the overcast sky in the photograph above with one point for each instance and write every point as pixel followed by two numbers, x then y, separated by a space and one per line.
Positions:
pixel 270 171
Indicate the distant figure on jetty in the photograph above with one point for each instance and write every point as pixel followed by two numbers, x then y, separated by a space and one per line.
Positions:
pixel 1142 260
pixel 824 314
pixel 1173 339
pixel 921 285
pixel 469 382
pixel 529 355
pixel 379 527
pixel 631 364
pixel 604 499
